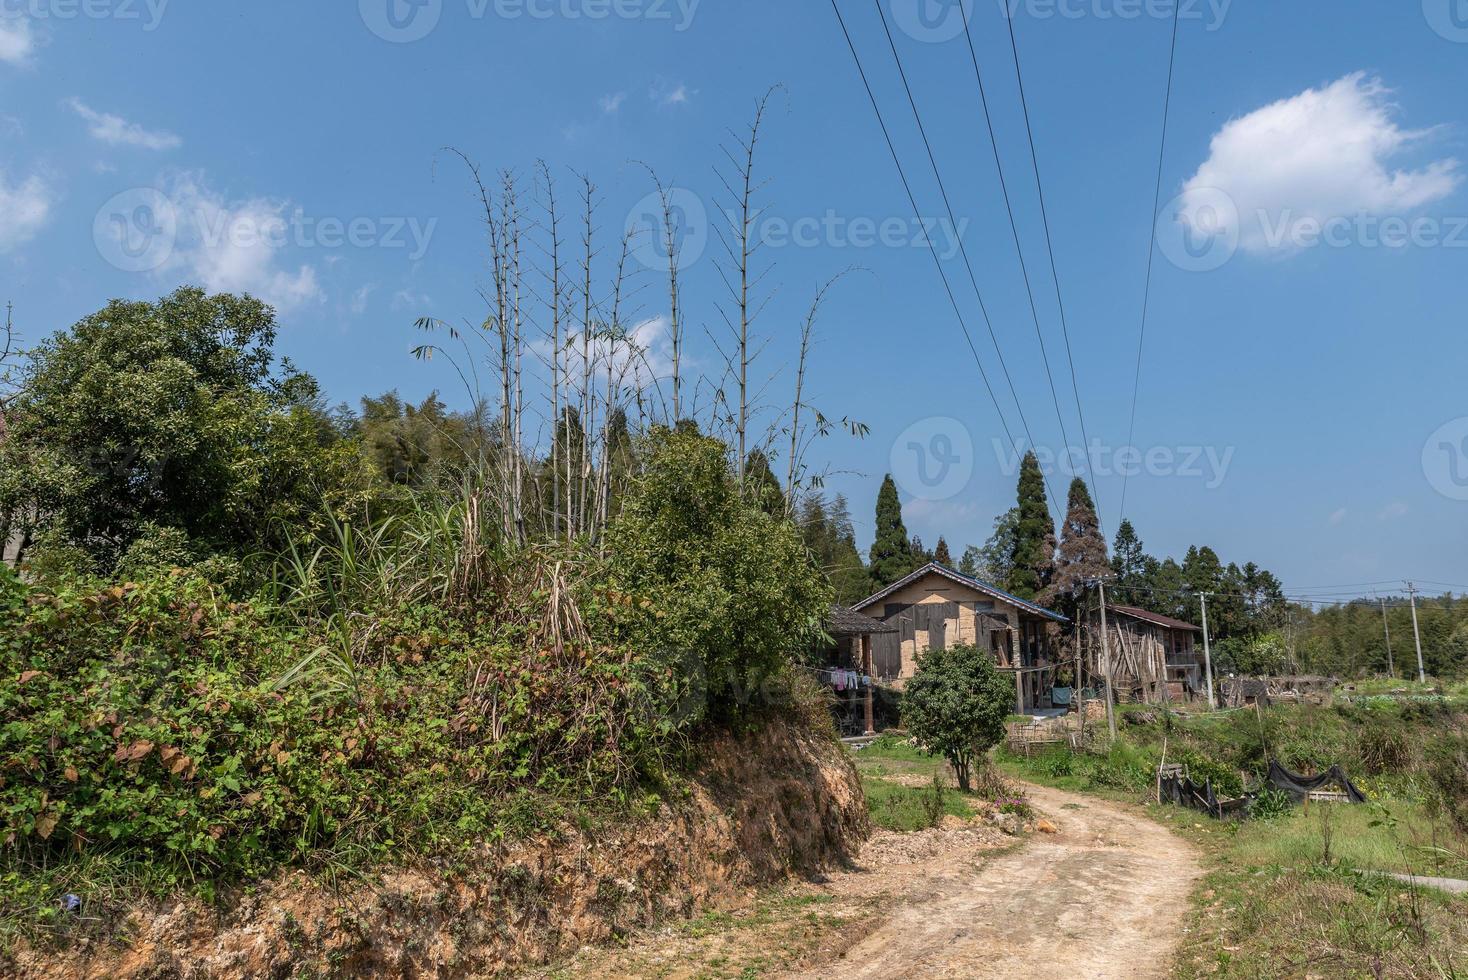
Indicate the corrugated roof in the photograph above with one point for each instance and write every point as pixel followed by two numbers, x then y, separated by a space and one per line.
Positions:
pixel 961 579
pixel 848 622
pixel 1157 619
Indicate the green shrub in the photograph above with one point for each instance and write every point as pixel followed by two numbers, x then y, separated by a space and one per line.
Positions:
pixel 722 594
pixel 955 706
pixel 156 720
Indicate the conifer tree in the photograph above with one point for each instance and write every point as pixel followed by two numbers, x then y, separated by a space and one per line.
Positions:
pixel 941 554
pixel 1128 560
pixel 1082 552
pixel 891 554
pixel 1034 546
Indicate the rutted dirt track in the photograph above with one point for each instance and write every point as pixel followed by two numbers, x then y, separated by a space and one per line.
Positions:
pixel 1104 897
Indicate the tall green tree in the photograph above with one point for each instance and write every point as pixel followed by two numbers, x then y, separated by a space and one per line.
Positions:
pixel 941 555
pixel 1082 556
pixel 1033 565
pixel 891 554
pixel 169 415
pixel 994 560
pixel 1129 560
pixel 831 538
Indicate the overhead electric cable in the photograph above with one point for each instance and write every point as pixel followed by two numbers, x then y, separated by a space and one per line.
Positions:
pixel 917 213
pixel 1151 246
pixel 963 250
pixel 1049 243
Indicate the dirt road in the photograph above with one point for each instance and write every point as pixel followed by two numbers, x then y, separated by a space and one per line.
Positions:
pixel 1104 897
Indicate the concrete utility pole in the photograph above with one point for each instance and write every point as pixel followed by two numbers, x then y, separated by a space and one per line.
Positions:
pixel 1207 652
pixel 1106 656
pixel 1391 670
pixel 1417 634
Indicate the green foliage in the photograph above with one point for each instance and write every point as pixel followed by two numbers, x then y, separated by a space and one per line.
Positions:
pixel 831 538
pixel 1270 804
pixel 1033 563
pixel 726 595
pixel 909 808
pixel 167 415
pixel 891 554
pixel 994 562
pixel 156 723
pixel 956 704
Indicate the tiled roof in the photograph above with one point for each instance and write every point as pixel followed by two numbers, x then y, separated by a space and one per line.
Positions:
pixel 848 622
pixel 972 583
pixel 1157 619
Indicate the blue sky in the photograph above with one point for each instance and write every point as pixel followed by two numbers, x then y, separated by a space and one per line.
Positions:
pixel 1302 402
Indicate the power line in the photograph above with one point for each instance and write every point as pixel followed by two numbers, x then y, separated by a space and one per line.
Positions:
pixel 1049 244
pixel 917 213
pixel 1151 246
pixel 963 250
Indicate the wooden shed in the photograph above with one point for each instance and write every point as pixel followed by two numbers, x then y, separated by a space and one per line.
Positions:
pixel 1154 658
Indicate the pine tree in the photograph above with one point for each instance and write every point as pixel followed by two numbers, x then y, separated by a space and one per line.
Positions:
pixel 941 555
pixel 1128 560
pixel 1033 565
pixel 891 554
pixel 828 533
pixel 1082 552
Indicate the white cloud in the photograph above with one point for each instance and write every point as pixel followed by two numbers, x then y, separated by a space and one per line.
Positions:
pixel 643 358
pixel 1339 517
pixel 611 103
pixel 116 131
pixel 1393 510
pixel 24 208
pixel 1324 154
pixel 235 246
pixel 17 43
pixel 666 93
pixel 359 299
pixel 407 299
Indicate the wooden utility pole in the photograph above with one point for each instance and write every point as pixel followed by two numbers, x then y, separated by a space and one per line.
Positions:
pixel 1106 657
pixel 1391 670
pixel 1207 653
pixel 1417 634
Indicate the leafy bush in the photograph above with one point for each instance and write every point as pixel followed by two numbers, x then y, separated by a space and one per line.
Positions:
pixel 722 594
pixel 1270 804
pixel 156 720
pixel 956 704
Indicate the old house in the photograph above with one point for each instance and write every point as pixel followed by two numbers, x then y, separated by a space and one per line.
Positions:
pixel 936 607
pixel 1154 658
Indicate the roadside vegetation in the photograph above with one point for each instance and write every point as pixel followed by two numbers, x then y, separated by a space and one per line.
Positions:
pixel 249 632
pixel 1303 891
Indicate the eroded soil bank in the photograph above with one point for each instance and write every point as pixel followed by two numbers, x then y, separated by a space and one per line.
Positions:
pixel 765 805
